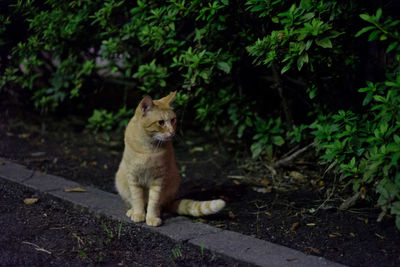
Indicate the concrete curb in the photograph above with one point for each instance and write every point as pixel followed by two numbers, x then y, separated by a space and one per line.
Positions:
pixel 231 244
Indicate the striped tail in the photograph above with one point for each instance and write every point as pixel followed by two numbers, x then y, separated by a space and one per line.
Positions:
pixel 196 208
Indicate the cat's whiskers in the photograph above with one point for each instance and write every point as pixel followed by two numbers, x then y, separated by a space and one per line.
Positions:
pixel 157 146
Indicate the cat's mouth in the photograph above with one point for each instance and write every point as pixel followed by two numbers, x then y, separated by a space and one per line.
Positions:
pixel 164 138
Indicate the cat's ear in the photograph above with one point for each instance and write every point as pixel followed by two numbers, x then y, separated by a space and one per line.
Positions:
pixel 169 98
pixel 146 104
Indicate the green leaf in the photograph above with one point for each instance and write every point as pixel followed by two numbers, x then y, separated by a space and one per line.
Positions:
pixel 275 19
pixel 365 17
pixel 305 4
pixel 373 35
pixel 392 46
pixel 325 42
pixel 277 140
pixel 312 93
pixel 398 222
pixel 308 16
pixel 364 30
pixel 248 122
pixel 301 60
pixel 396 139
pixel 256 150
pixel 378 14
pixel 286 68
pixel 308 44
pixel 379 98
pixel 224 66
pixel 241 129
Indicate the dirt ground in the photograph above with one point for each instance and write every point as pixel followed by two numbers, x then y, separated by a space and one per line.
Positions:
pixel 52 232
pixel 301 216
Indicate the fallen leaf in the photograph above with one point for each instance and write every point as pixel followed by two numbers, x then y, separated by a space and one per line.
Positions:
pixel 2 164
pixel 24 135
pixel 9 134
pixel 38 154
pixel 232 215
pixel 352 234
pixel 267 213
pixel 115 152
pixel 75 189
pixel 93 163
pixel 30 201
pixel 310 224
pixel 201 220
pixel 363 192
pixel 315 250
pixel 84 164
pixel 236 182
pixel 236 176
pixel 294 226
pixel 336 234
pixel 380 236
pixel 196 149
pixel 105 166
pixel 349 202
pixel 297 176
pixel 264 182
pixel 220 225
pixel 262 189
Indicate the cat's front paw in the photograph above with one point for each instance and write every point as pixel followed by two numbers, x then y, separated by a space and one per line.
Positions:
pixel 136 217
pixel 153 221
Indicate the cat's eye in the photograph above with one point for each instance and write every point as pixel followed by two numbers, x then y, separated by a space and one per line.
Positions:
pixel 173 120
pixel 161 122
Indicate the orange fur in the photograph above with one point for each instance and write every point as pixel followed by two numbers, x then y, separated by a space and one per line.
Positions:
pixel 147 174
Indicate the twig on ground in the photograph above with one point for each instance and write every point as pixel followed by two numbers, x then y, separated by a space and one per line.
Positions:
pixel 329 196
pixel 289 159
pixel 349 202
pixel 36 247
pixel 329 168
pixel 270 168
pixel 382 214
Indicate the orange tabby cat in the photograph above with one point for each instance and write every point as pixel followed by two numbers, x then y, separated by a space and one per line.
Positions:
pixel 147 174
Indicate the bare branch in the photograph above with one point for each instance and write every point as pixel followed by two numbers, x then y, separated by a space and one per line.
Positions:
pixel 288 159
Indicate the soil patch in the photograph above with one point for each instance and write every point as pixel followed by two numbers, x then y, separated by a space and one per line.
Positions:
pixel 293 218
pixel 52 232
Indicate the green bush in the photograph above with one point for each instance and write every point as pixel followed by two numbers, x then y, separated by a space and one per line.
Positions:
pixel 274 73
pixel 365 147
pixel 104 121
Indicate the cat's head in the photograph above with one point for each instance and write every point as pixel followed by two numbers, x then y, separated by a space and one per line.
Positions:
pixel 157 117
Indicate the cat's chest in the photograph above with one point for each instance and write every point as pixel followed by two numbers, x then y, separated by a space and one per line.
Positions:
pixel 147 168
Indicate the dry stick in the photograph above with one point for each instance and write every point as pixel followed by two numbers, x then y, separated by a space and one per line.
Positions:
pixel 36 247
pixel 329 196
pixel 287 160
